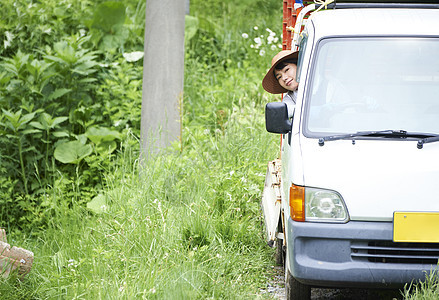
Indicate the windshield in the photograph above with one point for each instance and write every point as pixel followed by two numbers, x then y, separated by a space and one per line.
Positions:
pixel 362 84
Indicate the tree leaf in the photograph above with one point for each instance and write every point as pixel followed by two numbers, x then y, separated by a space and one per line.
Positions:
pixel 58 120
pixel 60 134
pixel 28 131
pixel 106 148
pixel 190 28
pixel 107 15
pixel 72 152
pixel 27 117
pixel 101 134
pixel 37 125
pixel 98 204
pixel 58 93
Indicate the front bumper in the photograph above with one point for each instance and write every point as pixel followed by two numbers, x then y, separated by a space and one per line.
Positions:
pixel 355 254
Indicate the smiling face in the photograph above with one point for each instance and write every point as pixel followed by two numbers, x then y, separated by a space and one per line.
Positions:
pixel 286 76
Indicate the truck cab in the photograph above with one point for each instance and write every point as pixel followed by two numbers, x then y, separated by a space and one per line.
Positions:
pixel 352 200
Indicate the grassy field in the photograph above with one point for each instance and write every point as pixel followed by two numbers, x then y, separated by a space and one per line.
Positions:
pixel 189 226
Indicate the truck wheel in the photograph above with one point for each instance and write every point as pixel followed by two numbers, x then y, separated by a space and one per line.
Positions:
pixel 296 290
pixel 279 255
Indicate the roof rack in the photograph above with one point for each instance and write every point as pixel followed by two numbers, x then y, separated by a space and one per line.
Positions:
pixel 342 5
pixel 293 20
pixel 390 1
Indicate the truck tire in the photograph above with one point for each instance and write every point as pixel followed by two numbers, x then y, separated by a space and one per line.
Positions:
pixel 296 290
pixel 279 255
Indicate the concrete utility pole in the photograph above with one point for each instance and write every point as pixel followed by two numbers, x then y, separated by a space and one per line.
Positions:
pixel 163 68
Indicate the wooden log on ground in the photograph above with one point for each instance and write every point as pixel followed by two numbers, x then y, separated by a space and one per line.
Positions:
pixel 14 259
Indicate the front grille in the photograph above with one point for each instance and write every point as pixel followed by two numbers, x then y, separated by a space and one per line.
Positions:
pixel 399 253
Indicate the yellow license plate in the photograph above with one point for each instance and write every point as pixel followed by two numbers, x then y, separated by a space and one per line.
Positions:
pixel 416 227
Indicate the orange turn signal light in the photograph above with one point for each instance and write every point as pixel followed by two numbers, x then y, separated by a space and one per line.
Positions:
pixel 297 203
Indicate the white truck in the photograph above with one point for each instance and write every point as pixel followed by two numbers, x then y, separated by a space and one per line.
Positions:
pixel 353 200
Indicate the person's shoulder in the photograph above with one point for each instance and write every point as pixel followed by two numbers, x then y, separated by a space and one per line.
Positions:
pixel 291 95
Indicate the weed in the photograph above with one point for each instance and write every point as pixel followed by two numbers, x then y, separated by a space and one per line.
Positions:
pixel 427 289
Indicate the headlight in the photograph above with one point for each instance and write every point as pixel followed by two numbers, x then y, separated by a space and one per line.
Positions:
pixel 324 206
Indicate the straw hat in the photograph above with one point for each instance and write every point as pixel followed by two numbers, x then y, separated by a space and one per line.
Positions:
pixel 270 83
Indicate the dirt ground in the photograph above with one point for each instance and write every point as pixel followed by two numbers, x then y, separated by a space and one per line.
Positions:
pixel 276 290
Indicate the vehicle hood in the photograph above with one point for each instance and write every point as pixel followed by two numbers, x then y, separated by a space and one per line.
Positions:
pixel 375 177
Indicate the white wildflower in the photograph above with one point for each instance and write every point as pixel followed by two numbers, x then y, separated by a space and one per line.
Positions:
pixel 123 286
pixel 258 42
pixel 270 39
pixel 262 52
pixel 72 263
pixel 256 28
pixel 245 35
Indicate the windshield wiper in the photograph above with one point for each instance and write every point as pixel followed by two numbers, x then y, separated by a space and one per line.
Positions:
pixel 379 133
pixel 431 139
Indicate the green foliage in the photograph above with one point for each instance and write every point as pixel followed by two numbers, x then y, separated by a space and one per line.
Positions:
pixel 65 96
pixel 70 79
pixel 425 290
pixel 29 25
pixel 72 152
pixel 163 235
pixel 107 29
pixel 189 226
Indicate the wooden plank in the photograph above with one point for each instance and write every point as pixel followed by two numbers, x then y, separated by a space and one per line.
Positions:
pixel 14 259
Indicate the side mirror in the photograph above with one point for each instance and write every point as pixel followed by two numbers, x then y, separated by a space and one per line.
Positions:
pixel 276 118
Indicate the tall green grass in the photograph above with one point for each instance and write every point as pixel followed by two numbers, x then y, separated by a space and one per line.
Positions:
pixel 428 289
pixel 187 224
pixel 188 228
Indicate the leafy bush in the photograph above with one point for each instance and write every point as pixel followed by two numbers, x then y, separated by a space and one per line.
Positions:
pixel 67 69
pixel 66 93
